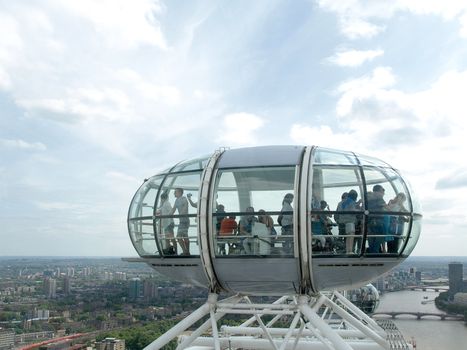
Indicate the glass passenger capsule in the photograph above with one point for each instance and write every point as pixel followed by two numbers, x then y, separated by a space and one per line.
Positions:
pixel 275 220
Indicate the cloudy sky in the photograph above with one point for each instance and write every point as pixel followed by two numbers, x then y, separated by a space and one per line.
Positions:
pixel 97 95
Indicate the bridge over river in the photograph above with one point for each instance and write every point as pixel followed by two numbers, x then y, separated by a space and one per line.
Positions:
pixel 427 288
pixel 419 315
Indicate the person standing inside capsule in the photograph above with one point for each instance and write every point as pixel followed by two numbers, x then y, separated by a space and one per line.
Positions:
pixel 376 225
pixel 350 220
pixel 245 228
pixel 396 226
pixel 167 225
pixel 181 205
pixel 287 220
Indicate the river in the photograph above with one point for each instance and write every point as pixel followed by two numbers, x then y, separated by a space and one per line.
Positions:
pixel 430 334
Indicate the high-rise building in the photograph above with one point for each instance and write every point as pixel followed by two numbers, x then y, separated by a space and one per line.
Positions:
pixel 70 271
pixel 86 271
pixel 108 276
pixel 66 285
pixel 456 275
pixel 135 289
pixel 111 344
pixel 121 276
pixel 50 288
pixel 418 276
pixel 150 290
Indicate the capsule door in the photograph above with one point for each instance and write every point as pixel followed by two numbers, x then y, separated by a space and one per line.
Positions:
pixel 252 229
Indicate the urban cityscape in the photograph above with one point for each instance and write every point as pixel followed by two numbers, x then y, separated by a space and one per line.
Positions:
pixel 107 303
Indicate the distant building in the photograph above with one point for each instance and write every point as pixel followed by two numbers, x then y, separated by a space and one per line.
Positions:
pixel 34 337
pixel 135 289
pixel 42 314
pixel 48 273
pixel 70 271
pixel 50 288
pixel 456 278
pixel 66 285
pixel 418 276
pixel 86 271
pixel 121 276
pixel 7 339
pixel 111 344
pixel 108 276
pixel 150 290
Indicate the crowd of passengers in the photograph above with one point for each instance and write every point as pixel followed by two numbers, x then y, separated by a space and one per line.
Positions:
pixel 384 230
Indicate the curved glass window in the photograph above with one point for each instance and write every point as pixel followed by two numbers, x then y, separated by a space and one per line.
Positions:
pixel 253 212
pixel 389 210
pixel 140 217
pixel 329 156
pixel 416 206
pixel 175 221
pixel 414 235
pixel 366 160
pixel 192 164
pixel 336 210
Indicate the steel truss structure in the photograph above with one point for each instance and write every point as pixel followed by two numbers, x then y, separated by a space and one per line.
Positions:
pixel 325 321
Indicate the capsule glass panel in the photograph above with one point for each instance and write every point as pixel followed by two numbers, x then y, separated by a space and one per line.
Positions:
pixel 336 216
pixel 190 165
pixel 176 214
pixel 389 207
pixel 140 218
pixel 416 206
pixel 142 235
pixel 414 235
pixel 142 204
pixel 367 160
pixel 329 156
pixel 246 212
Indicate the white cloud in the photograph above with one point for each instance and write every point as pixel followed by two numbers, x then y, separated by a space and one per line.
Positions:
pixel 81 104
pixel 5 81
pixel 9 46
pixel 354 58
pixel 23 145
pixel 421 133
pixel 120 23
pixel 322 135
pixel 170 95
pixel 239 129
pixel 357 17
pixel 369 86
pixel 456 179
pixel 357 28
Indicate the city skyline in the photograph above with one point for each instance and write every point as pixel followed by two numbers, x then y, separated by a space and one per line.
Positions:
pixel 97 96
